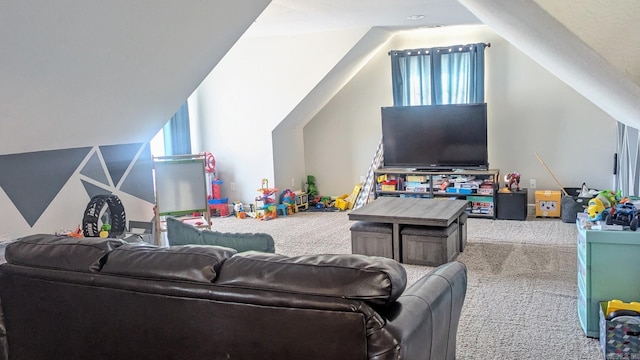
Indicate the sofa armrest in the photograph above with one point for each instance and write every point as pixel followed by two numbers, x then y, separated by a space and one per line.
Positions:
pixel 425 317
pixel 4 346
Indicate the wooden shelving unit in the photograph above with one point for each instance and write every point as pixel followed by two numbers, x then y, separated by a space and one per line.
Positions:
pixel 460 184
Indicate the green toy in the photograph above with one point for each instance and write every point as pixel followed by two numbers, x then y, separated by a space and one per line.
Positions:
pixel 104 230
pixel 312 191
pixel 609 196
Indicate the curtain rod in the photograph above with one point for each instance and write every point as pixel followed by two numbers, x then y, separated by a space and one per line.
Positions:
pixel 486 45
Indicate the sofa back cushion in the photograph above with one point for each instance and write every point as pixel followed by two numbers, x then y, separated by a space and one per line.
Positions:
pixel 180 233
pixel 376 280
pixel 196 263
pixel 61 252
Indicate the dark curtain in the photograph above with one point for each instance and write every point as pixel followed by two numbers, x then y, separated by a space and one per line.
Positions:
pixel 177 137
pixel 445 75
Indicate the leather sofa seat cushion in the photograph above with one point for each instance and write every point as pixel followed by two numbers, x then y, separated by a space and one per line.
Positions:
pixel 377 280
pixel 61 252
pixel 180 233
pixel 197 263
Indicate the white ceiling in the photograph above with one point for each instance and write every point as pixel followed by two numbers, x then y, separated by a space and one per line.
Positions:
pixel 286 17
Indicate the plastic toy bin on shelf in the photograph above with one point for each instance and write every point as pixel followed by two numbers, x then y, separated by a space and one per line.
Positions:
pixel 547 203
pixel 481 204
pixel 389 185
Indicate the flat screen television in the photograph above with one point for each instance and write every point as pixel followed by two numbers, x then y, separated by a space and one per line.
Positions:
pixel 435 137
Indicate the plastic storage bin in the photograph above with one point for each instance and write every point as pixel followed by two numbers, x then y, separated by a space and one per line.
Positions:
pixel 618 339
pixel 547 203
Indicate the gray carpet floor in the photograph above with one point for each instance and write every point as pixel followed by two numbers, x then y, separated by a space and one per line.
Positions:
pixel 521 298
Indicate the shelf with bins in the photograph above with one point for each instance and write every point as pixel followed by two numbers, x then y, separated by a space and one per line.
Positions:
pixel 479 187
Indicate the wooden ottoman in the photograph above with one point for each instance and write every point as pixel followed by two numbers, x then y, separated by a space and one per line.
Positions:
pixel 431 246
pixel 462 231
pixel 371 238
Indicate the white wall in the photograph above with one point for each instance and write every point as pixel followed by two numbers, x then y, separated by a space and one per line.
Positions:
pixel 340 142
pixel 251 90
pixel 288 164
pixel 241 103
pixel 530 111
pixel 288 146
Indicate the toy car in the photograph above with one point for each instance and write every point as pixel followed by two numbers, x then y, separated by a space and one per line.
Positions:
pixel 635 222
pixel 625 213
pixel 596 210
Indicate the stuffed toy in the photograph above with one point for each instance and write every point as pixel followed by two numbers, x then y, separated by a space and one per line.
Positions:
pixel 512 178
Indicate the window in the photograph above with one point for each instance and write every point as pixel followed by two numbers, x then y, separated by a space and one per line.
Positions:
pixel 174 138
pixel 446 75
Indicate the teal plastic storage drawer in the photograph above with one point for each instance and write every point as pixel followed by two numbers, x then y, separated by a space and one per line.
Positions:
pixel 608 268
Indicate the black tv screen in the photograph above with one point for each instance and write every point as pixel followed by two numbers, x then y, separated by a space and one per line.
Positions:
pixel 435 136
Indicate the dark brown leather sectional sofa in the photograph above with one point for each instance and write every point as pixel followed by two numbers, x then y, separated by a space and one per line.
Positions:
pixel 66 298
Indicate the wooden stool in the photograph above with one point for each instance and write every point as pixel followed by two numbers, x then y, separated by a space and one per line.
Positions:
pixel 370 238
pixel 431 246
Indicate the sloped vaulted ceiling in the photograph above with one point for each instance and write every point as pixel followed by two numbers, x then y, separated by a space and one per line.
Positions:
pixel 603 77
pixel 106 72
pixel 611 28
pixel 112 72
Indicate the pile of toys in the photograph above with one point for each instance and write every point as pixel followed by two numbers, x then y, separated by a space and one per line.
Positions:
pixel 610 208
pixel 617 308
pixel 330 203
pixel 267 207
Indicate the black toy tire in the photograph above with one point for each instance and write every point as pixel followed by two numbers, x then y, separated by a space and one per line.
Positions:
pixel 107 208
pixel 633 226
pixel 609 219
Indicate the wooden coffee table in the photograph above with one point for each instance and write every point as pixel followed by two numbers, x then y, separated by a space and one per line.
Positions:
pixel 409 211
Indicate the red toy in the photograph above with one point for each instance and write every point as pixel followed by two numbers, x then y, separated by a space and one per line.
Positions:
pixel 512 178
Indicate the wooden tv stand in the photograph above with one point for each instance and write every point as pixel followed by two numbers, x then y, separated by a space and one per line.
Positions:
pixel 482 200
